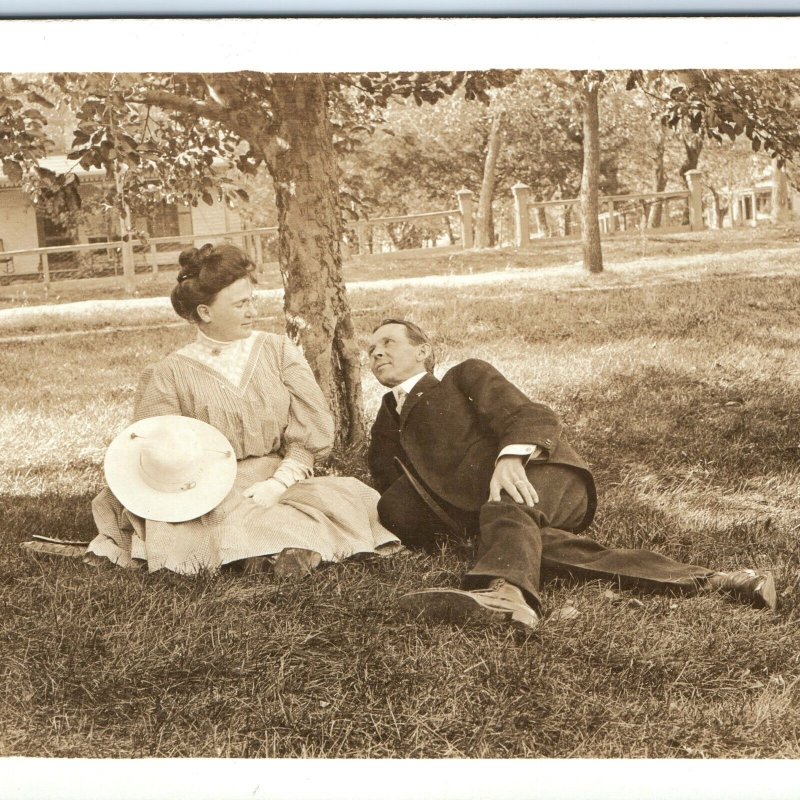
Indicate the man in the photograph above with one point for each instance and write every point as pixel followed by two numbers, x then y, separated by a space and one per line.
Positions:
pixel 473 455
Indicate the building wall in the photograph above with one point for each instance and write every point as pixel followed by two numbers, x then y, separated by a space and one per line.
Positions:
pixel 217 218
pixel 18 229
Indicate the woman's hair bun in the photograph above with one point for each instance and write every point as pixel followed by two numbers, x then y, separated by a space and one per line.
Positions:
pixel 192 261
pixel 210 269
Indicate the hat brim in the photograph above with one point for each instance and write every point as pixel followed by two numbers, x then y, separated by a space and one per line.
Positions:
pixel 212 484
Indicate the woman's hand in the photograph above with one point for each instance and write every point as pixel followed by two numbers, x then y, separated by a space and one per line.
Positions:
pixel 265 493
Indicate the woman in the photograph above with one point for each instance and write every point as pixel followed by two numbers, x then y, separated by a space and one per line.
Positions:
pixel 256 389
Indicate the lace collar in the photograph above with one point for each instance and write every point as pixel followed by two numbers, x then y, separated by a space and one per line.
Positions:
pixel 214 347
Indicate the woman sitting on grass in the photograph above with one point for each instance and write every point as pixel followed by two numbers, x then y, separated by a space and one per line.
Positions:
pixel 257 390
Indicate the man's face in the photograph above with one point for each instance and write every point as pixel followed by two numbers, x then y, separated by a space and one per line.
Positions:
pixel 393 358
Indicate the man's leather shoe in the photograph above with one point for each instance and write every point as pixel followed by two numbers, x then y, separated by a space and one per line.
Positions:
pixel 749 585
pixel 499 600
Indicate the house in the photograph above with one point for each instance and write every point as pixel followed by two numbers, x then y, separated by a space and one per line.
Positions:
pixel 754 203
pixel 24 226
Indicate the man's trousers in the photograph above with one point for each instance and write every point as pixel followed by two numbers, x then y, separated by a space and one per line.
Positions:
pixel 516 541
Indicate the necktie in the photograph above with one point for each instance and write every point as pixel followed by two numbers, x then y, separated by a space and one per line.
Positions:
pixel 401 395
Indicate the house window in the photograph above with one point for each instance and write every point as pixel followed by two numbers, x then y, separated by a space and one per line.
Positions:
pixel 51 233
pixel 163 221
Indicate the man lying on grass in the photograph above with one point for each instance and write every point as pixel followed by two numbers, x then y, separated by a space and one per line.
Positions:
pixel 473 456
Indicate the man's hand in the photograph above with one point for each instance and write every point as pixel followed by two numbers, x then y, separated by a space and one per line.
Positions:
pixel 265 493
pixel 509 475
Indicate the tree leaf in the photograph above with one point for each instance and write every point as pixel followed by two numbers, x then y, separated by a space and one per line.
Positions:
pixel 13 170
pixel 34 97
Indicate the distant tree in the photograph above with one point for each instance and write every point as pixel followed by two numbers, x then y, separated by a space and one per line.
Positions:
pixel 484 222
pixel 419 157
pixel 590 179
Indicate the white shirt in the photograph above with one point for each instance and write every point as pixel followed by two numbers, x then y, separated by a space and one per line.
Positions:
pixel 407 385
pixel 527 451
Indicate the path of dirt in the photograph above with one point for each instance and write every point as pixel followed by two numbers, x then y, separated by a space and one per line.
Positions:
pixel 566 278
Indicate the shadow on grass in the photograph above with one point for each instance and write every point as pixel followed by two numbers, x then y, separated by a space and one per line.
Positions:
pixel 50 514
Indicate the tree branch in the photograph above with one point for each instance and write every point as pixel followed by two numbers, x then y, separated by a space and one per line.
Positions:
pixel 176 102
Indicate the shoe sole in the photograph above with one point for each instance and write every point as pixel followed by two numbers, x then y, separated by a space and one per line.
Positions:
pixel 457 606
pixel 766 594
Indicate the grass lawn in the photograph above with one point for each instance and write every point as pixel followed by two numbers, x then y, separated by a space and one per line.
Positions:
pixel 678 378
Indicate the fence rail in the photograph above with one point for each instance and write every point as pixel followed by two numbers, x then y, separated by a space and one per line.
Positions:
pixel 619 213
pixel 100 258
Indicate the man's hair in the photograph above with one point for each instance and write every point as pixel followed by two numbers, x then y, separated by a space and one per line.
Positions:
pixel 415 335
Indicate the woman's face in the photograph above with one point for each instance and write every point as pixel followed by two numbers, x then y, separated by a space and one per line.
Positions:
pixel 231 314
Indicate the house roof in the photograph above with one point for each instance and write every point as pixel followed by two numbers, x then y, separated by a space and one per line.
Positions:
pixel 60 164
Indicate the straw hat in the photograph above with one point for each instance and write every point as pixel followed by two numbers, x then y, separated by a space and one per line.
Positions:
pixel 170 468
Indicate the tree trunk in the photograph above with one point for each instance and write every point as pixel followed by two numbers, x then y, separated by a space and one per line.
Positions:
pixel 449 228
pixel 566 222
pixel 303 167
pixel 126 235
pixel 590 181
pixel 484 233
pixel 780 195
pixel 719 211
pixel 659 178
pixel 542 222
pixel 693 146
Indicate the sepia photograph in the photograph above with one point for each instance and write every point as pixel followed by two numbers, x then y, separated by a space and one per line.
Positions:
pixel 400 409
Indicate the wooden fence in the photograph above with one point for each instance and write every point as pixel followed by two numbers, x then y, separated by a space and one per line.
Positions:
pixel 681 210
pixel 619 213
pixel 678 211
pixel 102 258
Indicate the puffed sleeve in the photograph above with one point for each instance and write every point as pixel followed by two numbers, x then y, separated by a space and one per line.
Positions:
pixel 155 394
pixel 309 433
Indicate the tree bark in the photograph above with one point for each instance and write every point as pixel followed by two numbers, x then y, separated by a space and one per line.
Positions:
pixel 542 222
pixel 484 233
pixel 316 305
pixel 659 178
pixel 590 181
pixel 780 195
pixel 693 146
pixel 126 234
pixel 719 211
pixel 449 228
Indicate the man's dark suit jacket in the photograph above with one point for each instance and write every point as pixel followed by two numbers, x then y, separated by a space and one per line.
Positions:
pixel 450 433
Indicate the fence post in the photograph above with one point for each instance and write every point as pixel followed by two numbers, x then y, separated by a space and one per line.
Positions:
pixel 45 269
pixel 695 179
pixel 361 235
pixel 736 210
pixel 465 207
pixel 154 258
pixel 521 222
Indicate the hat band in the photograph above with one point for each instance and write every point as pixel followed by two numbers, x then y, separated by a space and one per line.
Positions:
pixel 170 487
